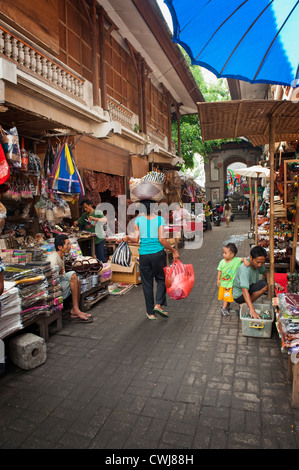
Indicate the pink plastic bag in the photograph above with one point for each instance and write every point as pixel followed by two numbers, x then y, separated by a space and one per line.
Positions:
pixel 179 280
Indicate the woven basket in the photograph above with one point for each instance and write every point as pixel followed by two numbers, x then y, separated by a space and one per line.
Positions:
pixel 141 190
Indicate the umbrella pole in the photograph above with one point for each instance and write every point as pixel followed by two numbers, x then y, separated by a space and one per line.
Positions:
pixel 256 209
pixel 251 203
pixel 271 234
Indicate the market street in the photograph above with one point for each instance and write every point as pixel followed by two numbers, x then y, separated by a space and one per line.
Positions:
pixel 124 382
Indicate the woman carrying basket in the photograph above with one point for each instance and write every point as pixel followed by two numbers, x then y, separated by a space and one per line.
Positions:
pixel 149 230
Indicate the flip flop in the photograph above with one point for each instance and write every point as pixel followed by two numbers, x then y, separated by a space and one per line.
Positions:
pixel 161 312
pixel 81 320
pixel 151 317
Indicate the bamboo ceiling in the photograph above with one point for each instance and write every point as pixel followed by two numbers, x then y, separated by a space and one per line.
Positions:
pixel 250 119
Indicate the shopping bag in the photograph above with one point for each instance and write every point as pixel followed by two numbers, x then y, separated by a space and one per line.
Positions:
pixel 122 255
pixel 179 280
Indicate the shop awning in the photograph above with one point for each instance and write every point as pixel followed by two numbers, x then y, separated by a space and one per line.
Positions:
pixel 250 119
pixel 260 121
pixel 29 124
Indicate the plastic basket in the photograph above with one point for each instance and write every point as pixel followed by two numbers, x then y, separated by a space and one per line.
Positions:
pixel 258 328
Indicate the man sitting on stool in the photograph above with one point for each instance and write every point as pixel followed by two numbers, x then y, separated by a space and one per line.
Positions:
pixel 70 283
pixel 247 287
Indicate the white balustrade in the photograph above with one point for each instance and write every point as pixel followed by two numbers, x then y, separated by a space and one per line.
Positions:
pixel 120 113
pixel 26 56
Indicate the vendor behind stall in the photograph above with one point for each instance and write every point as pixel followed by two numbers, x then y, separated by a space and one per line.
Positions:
pixel 92 221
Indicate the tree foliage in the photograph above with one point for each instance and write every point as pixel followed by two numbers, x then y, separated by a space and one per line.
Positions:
pixel 191 140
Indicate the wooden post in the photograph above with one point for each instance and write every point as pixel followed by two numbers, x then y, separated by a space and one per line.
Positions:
pixel 102 37
pixel 271 232
pixel 92 19
pixel 295 236
pixel 178 118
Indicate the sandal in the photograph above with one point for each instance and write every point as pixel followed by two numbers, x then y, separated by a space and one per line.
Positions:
pixel 161 312
pixel 151 317
pixel 81 320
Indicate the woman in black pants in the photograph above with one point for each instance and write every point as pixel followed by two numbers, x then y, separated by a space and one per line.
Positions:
pixel 152 257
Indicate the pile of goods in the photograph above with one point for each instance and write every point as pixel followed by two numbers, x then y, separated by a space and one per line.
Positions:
pixel 148 187
pixel 288 321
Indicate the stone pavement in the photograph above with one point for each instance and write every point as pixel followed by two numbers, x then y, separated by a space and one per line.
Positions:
pixel 124 382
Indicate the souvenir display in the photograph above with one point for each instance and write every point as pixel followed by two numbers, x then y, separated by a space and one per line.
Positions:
pixel 288 321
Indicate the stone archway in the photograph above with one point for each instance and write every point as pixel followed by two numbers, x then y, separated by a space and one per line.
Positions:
pixel 228 162
pixel 216 167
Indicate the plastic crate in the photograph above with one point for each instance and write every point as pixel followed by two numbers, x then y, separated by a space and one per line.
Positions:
pixel 255 327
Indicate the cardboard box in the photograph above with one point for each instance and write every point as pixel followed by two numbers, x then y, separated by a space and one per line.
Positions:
pixel 134 250
pixel 130 275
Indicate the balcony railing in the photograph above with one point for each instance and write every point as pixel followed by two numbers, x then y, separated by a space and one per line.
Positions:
pixel 157 137
pixel 36 62
pixel 120 113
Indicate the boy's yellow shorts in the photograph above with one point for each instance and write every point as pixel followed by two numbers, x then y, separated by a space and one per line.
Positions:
pixel 225 294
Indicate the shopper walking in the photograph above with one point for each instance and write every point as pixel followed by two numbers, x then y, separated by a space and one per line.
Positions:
pixel 208 214
pixel 227 212
pixel 149 230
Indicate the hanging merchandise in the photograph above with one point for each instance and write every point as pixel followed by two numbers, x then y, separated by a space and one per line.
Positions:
pixel 66 177
pixel 34 163
pixel 4 167
pixel 49 160
pixel 2 217
pixel 11 146
pixel 24 157
pixel 179 280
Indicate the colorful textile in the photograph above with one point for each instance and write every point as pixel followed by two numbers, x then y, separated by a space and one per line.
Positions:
pixel 66 177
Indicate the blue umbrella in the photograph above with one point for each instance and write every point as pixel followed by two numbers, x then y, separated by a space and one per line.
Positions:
pixel 251 40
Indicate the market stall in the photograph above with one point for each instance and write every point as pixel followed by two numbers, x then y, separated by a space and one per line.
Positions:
pixel 262 122
pixel 37 199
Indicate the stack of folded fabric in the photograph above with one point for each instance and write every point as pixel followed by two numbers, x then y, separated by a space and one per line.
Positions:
pixel 33 291
pixel 44 268
pixel 10 318
pixel 57 293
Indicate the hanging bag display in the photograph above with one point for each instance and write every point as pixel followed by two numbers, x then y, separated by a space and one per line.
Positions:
pixel 4 167
pixel 179 280
pixel 11 146
pixel 66 177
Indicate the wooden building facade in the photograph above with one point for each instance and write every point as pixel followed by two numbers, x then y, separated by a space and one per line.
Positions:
pixel 103 72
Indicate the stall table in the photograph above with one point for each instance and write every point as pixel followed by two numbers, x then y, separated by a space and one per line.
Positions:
pixel 44 322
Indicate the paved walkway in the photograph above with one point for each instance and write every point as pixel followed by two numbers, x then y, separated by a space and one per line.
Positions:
pixel 124 382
